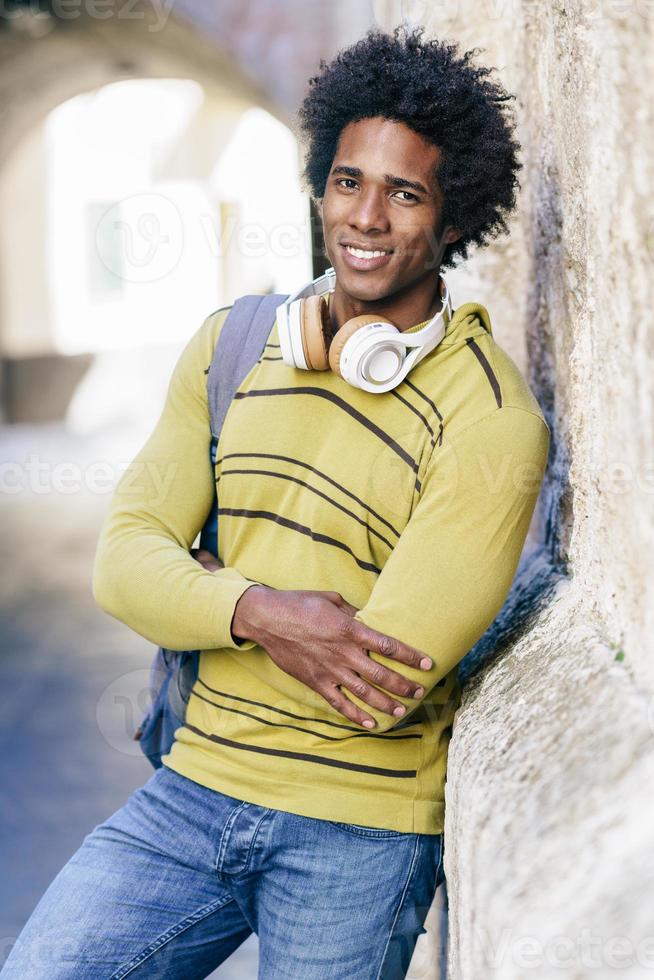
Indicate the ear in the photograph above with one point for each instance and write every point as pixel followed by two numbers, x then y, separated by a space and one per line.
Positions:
pixel 451 235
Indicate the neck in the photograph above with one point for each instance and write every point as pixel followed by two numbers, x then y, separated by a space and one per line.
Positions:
pixel 402 311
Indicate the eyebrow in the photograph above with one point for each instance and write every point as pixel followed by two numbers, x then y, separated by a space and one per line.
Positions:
pixel 389 178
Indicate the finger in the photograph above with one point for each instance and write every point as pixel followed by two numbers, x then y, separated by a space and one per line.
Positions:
pixel 348 608
pixel 335 697
pixel 342 603
pixel 384 677
pixel 212 566
pixel 375 698
pixel 390 646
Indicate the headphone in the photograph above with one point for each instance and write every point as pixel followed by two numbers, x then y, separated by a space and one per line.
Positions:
pixel 368 352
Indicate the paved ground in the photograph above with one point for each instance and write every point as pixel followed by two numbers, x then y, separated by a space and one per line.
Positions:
pixel 66 759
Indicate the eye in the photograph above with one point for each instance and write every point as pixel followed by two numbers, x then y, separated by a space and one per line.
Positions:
pixel 410 196
pixel 341 180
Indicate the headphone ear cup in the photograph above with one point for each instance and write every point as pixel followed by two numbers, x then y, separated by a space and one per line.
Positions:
pixel 349 328
pixel 316 332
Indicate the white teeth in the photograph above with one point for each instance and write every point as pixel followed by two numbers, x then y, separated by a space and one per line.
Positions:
pixel 361 254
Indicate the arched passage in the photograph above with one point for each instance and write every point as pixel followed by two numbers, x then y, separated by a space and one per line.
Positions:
pixel 36 261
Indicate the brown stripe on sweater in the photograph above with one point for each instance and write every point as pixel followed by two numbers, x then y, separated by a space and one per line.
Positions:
pixel 481 357
pixel 319 493
pixel 417 390
pixel 304 756
pixel 295 728
pixel 291 714
pixel 299 462
pixel 438 440
pixel 416 412
pixel 302 529
pixel 342 404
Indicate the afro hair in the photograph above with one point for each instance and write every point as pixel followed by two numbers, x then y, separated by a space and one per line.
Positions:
pixel 442 95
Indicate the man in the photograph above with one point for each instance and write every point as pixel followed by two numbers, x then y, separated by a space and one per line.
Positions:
pixel 367 542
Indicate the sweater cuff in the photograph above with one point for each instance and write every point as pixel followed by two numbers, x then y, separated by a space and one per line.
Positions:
pixel 239 586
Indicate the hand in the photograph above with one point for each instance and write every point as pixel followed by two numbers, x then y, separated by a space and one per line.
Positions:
pixel 313 636
pixel 206 559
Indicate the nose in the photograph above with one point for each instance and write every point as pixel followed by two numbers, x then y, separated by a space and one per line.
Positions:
pixel 368 211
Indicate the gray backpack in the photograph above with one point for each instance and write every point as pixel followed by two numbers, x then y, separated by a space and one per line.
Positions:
pixel 173 672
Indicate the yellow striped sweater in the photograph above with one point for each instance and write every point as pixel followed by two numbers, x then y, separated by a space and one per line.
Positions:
pixel 413 504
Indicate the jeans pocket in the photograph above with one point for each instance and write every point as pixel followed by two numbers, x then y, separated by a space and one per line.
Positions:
pixel 375 832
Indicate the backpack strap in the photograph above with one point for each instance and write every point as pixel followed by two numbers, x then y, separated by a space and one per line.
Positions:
pixel 240 345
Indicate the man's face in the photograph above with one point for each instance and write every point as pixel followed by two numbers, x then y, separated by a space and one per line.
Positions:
pixel 381 195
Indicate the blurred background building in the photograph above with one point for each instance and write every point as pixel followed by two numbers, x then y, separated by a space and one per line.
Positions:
pixel 149 174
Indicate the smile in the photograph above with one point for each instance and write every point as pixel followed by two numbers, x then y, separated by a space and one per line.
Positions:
pixel 364 259
pixel 363 254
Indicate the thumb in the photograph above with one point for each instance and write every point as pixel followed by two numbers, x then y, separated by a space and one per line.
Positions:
pixel 342 603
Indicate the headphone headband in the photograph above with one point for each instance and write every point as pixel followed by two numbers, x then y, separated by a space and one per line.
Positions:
pixel 373 349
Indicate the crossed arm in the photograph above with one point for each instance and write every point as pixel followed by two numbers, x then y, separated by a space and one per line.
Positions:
pixel 440 589
pixel 451 570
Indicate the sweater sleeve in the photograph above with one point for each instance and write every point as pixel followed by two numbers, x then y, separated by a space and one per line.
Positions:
pixel 143 573
pixel 451 570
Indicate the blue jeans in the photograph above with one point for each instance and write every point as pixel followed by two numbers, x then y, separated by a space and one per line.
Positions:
pixel 174 881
